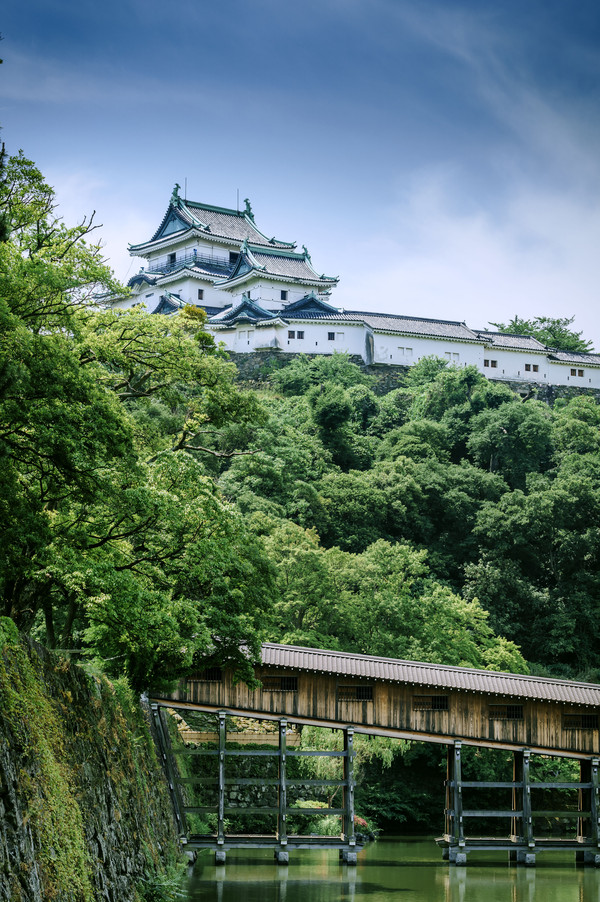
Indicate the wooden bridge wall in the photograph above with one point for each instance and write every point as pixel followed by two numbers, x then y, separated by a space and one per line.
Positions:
pixel 393 711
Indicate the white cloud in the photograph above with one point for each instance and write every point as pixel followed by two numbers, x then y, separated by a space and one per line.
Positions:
pixel 539 258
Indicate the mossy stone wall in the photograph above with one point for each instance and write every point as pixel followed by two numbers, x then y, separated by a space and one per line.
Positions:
pixel 85 815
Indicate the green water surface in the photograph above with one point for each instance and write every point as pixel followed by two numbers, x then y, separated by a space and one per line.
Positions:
pixel 403 869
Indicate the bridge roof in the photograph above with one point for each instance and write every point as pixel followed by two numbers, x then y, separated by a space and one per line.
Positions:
pixel 437 676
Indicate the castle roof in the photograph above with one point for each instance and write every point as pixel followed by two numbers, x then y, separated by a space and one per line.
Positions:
pixel 578 357
pixel 274 263
pixel 204 220
pixel 245 311
pixel 515 341
pixel 387 322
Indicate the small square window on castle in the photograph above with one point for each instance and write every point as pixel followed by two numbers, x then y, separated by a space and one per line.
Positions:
pixel 299 334
pixel 493 364
pixel 331 336
pixel 527 367
pixel 201 294
pixel 284 295
pixel 291 333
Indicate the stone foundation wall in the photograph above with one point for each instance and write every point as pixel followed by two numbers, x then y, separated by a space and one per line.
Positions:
pixel 254 369
pixel 85 815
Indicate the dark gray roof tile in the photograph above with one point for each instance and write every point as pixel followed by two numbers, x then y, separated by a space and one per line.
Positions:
pixel 516 342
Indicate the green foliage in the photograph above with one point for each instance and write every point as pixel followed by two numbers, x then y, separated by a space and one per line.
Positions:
pixel 9 634
pixel 553 332
pixel 112 533
pixel 304 372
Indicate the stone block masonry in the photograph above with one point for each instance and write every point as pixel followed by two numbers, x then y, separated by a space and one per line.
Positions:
pixel 254 369
pixel 84 811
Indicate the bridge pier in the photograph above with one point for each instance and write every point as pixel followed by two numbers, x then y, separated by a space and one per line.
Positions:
pixel 522 845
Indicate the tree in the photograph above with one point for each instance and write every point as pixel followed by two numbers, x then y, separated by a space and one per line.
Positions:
pixel 553 332
pixel 113 536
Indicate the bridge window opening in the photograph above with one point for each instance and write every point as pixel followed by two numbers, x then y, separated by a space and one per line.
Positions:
pixel 430 703
pixel 279 683
pixel 580 722
pixel 355 693
pixel 506 712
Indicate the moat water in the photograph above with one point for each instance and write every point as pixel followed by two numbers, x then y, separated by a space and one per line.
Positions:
pixel 405 870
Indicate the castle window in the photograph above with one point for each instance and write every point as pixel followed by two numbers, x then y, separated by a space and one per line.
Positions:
pixel 527 367
pixel 233 257
pixel 493 364
pixel 573 372
pixel 486 362
pixel 291 333
pixel 171 258
pixel 339 336
pixel 408 352
pixel 284 295
pixel 331 336
pixel 430 703
pixel 448 354
pixel 535 368
pixel 580 372
pixel 201 294
pixel 355 693
pixel 455 357
pixel 151 295
pixel 505 712
pixel 299 334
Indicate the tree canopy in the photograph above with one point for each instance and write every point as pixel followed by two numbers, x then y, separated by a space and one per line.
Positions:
pixel 551 331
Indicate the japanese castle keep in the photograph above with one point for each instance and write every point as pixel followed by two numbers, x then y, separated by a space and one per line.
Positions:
pixel 261 293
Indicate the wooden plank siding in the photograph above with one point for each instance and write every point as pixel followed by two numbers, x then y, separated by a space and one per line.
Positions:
pixel 401 710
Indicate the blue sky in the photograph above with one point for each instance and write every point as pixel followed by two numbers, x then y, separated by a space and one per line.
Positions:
pixel 442 158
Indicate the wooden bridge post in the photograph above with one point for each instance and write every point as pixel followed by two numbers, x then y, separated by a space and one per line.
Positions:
pixel 522 834
pixel 589 804
pixel 281 854
pixel 456 853
pixel 348 788
pixel 220 854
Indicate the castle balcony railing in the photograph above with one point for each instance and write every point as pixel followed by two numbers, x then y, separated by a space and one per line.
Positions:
pixel 224 266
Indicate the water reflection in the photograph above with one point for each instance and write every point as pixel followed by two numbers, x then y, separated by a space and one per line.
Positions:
pixel 385 869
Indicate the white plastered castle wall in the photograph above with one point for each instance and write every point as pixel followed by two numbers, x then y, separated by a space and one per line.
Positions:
pixel 311 337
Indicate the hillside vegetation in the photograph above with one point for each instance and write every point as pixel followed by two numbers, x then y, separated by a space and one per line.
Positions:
pixel 153 515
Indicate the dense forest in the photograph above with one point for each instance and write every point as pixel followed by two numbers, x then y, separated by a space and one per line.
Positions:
pixel 153 513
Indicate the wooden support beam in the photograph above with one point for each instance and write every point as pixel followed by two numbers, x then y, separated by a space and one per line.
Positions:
pixel 221 778
pixel 348 788
pixel 282 816
pixel 594 806
pixel 459 830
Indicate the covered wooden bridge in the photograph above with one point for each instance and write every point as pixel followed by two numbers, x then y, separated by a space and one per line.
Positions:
pixel 453 706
